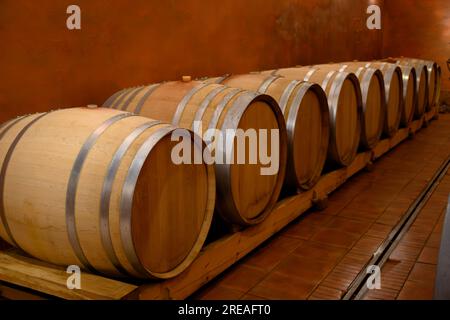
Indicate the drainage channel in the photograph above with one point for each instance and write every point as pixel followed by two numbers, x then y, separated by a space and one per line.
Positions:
pixel 358 288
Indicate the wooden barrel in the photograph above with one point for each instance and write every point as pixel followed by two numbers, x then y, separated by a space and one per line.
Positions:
pixel 245 195
pixel 373 100
pixel 410 92
pixel 305 109
pixel 422 88
pixel 433 82
pixel 393 84
pixel 421 84
pixel 98 188
pixel 345 105
pixel 437 100
pixel 409 77
pixel 432 77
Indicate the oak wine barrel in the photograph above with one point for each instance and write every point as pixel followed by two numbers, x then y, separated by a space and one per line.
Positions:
pixel 410 92
pixel 409 77
pixel 393 85
pixel 373 100
pixel 345 106
pixel 433 77
pixel 305 109
pixel 421 85
pixel 437 100
pixel 245 196
pixel 97 188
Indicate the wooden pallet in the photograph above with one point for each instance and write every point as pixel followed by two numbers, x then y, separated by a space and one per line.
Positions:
pixel 18 271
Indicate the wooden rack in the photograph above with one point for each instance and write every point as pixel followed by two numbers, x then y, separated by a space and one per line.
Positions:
pixel 23 277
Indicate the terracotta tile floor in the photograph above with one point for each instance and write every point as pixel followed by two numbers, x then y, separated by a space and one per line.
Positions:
pixel 410 272
pixel 319 254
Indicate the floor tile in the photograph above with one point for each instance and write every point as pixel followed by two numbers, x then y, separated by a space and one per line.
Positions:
pixel 301 230
pixel 320 251
pixel 281 287
pixel 349 225
pixel 252 297
pixel 272 253
pixel 416 290
pixel 429 255
pixel 242 277
pixel 325 293
pixel 216 292
pixel 423 272
pixel 304 268
pixel 335 237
